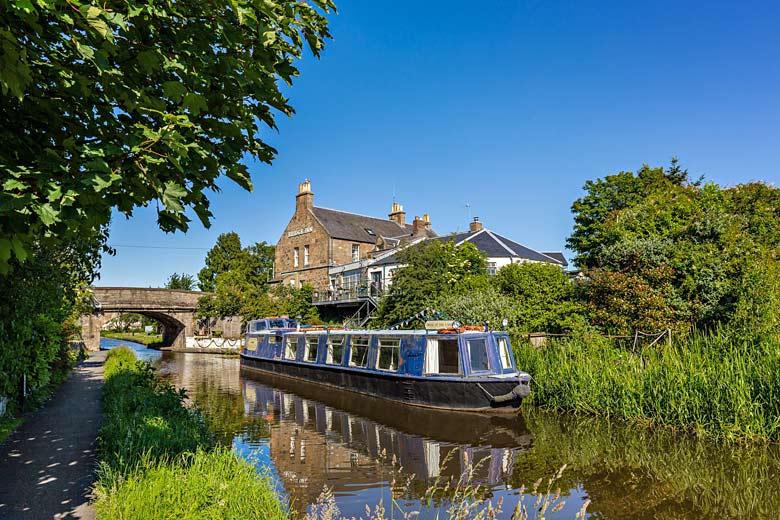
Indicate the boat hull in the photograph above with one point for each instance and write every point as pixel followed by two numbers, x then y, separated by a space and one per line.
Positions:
pixel 468 395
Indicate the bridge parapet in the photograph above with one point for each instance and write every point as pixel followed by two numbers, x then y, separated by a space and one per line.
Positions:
pixel 173 308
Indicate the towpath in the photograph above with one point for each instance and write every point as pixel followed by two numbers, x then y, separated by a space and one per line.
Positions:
pixel 47 466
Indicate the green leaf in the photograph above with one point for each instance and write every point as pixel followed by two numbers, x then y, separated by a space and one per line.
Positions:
pixel 48 214
pixel 13 184
pixel 19 250
pixel 171 196
pixel 174 90
pixel 195 103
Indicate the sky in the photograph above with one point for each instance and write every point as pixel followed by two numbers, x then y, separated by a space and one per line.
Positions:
pixel 500 109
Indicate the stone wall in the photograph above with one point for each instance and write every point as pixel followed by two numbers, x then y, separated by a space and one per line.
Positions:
pixel 305 230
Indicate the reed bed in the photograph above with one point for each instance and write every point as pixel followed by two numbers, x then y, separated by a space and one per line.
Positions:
pixel 713 385
pixel 159 460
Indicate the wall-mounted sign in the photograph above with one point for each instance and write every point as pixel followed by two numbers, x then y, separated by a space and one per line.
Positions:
pixel 297 232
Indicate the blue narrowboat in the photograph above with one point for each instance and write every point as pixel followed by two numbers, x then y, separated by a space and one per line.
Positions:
pixel 445 366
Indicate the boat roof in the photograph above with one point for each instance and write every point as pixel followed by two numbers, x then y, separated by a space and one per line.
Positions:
pixel 384 332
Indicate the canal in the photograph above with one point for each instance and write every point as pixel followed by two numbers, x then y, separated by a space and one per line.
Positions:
pixel 366 450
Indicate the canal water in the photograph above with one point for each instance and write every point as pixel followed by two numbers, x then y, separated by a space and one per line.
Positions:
pixel 366 451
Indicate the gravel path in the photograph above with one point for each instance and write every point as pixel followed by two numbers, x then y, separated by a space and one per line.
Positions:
pixel 47 466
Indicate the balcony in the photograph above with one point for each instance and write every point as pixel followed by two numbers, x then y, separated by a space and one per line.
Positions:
pixel 352 293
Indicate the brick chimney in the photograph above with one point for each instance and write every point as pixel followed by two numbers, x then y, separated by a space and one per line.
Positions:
pixel 397 214
pixel 305 198
pixel 476 225
pixel 420 226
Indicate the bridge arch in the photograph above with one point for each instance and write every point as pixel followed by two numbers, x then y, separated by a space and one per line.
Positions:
pixel 174 309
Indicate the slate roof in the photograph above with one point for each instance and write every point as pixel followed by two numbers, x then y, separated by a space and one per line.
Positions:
pixel 493 245
pixel 351 226
pixel 558 256
pixel 499 246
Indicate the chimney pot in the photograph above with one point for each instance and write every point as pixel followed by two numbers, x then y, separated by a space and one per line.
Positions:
pixel 476 225
pixel 305 198
pixel 397 214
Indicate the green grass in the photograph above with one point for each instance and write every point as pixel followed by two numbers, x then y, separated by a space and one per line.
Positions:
pixel 712 385
pixel 159 460
pixel 138 337
pixel 8 424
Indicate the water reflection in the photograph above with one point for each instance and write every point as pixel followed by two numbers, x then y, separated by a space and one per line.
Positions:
pixel 313 444
pixel 310 437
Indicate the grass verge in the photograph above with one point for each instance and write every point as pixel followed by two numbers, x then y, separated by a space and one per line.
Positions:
pixel 712 385
pixel 8 424
pixel 158 459
pixel 142 338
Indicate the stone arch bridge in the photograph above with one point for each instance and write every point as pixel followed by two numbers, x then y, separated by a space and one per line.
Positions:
pixel 173 309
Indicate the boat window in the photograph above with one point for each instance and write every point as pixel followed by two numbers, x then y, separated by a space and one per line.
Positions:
pixel 251 344
pixel 389 350
pixel 478 355
pixel 441 357
pixel 272 340
pixel 258 326
pixel 311 349
pixel 503 351
pixel 290 347
pixel 359 352
pixel 278 324
pixel 335 350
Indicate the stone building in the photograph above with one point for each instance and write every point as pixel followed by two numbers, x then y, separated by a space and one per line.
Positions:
pixel 318 238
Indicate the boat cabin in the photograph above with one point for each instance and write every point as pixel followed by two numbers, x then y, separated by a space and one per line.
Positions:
pixel 417 353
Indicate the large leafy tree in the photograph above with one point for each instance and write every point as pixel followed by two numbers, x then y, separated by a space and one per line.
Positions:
pixel 115 105
pixel 181 281
pixel 431 270
pixel 234 274
pixel 663 251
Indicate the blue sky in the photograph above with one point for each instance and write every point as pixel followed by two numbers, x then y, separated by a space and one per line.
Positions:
pixel 508 106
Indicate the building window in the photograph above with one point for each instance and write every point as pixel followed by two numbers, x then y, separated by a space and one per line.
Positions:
pixel 355 252
pixel 306 255
pixel 296 253
pixel 292 284
pixel 491 268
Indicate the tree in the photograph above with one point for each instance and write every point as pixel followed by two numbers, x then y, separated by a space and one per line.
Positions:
pixel 223 257
pixel 183 281
pixel 234 274
pixel 664 252
pixel 543 295
pixel 431 270
pixel 115 105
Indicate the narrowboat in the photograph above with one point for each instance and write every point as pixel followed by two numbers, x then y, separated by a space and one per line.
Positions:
pixel 444 366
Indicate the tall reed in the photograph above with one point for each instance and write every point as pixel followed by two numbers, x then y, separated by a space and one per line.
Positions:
pixel 710 384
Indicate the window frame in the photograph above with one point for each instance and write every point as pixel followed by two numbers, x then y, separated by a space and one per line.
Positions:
pixel 355 252
pixel 342 340
pixel 308 342
pixel 352 350
pixel 503 348
pixel 296 256
pixel 484 341
pixel 379 348
pixel 306 255
pixel 288 340
pixel 437 340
